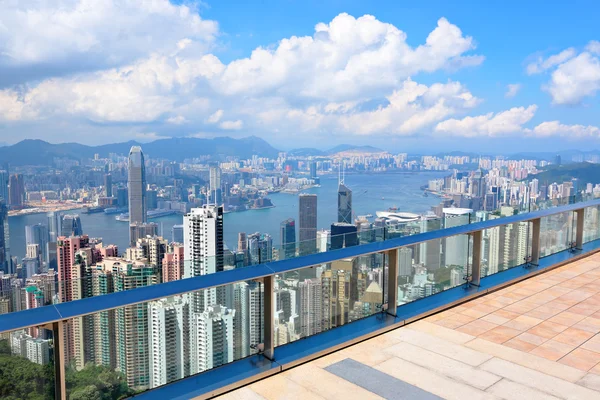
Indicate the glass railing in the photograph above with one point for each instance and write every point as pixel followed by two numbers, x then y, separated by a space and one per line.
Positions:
pixel 135 346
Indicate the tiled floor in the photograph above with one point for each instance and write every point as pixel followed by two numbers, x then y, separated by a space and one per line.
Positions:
pixel 538 339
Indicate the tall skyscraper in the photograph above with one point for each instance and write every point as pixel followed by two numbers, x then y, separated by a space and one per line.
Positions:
pixel 38 234
pixel 4 261
pixel 136 186
pixel 54 224
pixel 313 169
pixel 203 242
pixel 71 225
pixel 4 185
pixel 16 190
pixel 138 230
pixel 215 185
pixel 287 230
pixel 344 201
pixel 177 234
pixel 456 247
pixel 311 307
pixel 108 185
pixel 213 332
pixel 307 207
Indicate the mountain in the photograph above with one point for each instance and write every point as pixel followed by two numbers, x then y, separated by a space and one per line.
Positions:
pixel 306 151
pixel 39 152
pixel 348 147
pixel 565 155
pixel 585 172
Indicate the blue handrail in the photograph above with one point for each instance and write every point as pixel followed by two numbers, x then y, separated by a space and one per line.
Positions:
pixel 56 312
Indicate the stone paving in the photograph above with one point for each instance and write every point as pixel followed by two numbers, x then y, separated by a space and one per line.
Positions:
pixel 538 339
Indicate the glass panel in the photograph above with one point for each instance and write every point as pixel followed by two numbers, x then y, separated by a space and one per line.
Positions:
pixel 313 300
pixel 591 224
pixel 147 345
pixel 557 233
pixel 26 364
pixel 504 247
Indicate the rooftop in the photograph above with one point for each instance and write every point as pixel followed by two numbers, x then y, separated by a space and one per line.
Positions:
pixel 537 339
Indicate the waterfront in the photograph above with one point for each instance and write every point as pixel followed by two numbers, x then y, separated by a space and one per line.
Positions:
pixel 371 192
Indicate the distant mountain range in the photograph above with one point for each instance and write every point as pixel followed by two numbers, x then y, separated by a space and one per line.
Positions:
pixel 39 152
pixel 309 151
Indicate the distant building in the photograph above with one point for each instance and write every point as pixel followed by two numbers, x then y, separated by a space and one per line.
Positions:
pixel 71 225
pixel 307 229
pixel 177 234
pixel 38 234
pixel 4 255
pixel 343 235
pixel 108 185
pixel 139 230
pixel 344 204
pixel 136 187
pixel 287 231
pixel 16 190
pixel 215 185
pixel 4 185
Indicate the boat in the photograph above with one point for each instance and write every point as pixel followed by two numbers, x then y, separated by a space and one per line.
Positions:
pixel 394 208
pixel 112 210
pixel 92 210
pixel 124 217
pixel 369 215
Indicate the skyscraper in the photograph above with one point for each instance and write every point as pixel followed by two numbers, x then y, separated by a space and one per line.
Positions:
pixel 344 203
pixel 108 185
pixel 54 223
pixel 456 247
pixel 16 190
pixel 4 185
pixel 136 186
pixel 138 230
pixel 307 208
pixel 311 307
pixel 313 169
pixel 215 185
pixel 177 234
pixel 203 242
pixel 71 225
pixel 3 222
pixel 38 234
pixel 287 229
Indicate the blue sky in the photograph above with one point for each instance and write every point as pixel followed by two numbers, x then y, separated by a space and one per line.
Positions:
pixel 359 72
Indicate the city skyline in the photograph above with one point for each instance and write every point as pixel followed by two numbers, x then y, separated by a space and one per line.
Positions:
pixel 436 74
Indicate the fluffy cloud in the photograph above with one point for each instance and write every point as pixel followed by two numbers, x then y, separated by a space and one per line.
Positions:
pixel 39 37
pixel 555 128
pixel 503 123
pixel 512 90
pixel 573 77
pixel 353 75
pixel 541 64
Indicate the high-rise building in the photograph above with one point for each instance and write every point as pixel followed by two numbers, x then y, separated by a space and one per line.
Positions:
pixel 4 261
pixel 323 238
pixel 260 248
pixel 307 229
pixel 136 187
pixel 177 234
pixel 173 264
pixel 405 255
pixel 71 225
pixel 152 199
pixel 168 329
pixel 122 197
pixel 54 223
pixel 38 234
pixel 215 185
pixel 138 230
pixel 456 250
pixel 310 307
pixel 287 231
pixel 16 190
pixel 203 241
pixel 4 185
pixel 213 343
pixel 313 169
pixel 344 203
pixel 343 235
pixel 108 185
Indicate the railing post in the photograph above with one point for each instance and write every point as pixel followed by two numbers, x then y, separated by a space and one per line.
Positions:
pixel 579 233
pixel 269 317
pixel 476 263
pixel 392 286
pixel 60 387
pixel 535 241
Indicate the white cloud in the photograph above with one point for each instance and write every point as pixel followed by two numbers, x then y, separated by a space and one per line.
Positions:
pixel 83 34
pixel 503 123
pixel 541 64
pixel 232 125
pixel 215 117
pixel 178 120
pixel 593 47
pixel 574 80
pixel 555 128
pixel 512 89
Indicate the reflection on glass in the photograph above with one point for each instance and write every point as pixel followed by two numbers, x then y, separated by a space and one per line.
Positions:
pixel 591 224
pixel 557 233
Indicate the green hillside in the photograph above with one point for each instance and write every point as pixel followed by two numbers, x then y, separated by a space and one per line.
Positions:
pixel 585 172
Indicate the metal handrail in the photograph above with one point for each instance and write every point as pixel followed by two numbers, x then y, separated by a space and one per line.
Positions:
pixel 77 308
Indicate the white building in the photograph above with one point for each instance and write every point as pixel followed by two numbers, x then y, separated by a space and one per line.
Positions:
pixel 168 328
pixel 214 339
